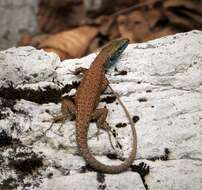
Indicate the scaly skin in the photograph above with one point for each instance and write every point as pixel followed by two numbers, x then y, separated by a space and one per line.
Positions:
pixel 86 100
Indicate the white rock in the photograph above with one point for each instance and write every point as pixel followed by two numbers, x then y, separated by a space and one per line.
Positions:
pixel 25 67
pixel 163 86
pixel 175 174
pixel 88 181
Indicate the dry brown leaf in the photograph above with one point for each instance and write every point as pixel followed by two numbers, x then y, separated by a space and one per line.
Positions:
pixel 60 53
pixel 25 40
pixel 56 3
pixel 188 4
pixel 54 16
pixel 153 16
pixel 195 17
pixel 133 26
pixel 179 22
pixel 164 32
pixel 185 14
pixel 114 32
pixel 105 23
pixel 125 31
pixel 37 40
pixel 29 40
pixel 72 43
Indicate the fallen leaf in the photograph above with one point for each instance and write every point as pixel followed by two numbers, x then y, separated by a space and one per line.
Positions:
pixel 29 40
pixel 124 29
pixel 153 16
pixel 63 55
pixel 184 14
pixel 133 26
pixel 54 16
pixel 193 5
pixel 25 40
pixel 193 16
pixel 72 43
pixel 179 21
pixel 158 34
pixel 56 3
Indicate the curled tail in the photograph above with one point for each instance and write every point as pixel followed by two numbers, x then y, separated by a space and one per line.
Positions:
pixel 81 138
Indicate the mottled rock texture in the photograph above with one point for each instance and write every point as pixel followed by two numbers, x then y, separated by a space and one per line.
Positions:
pixel 160 82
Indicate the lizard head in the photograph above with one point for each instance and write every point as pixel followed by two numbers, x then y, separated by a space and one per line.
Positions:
pixel 114 50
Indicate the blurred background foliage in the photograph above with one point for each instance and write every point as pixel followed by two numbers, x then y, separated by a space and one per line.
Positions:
pixel 73 28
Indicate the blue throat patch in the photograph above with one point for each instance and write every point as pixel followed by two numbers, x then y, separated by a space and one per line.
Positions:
pixel 115 57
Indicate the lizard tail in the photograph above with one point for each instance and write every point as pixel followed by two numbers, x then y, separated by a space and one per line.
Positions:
pixel 81 138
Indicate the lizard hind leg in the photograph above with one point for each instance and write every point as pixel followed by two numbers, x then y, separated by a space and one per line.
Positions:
pixel 67 108
pixel 100 116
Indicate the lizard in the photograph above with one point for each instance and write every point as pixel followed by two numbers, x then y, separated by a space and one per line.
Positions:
pixel 86 100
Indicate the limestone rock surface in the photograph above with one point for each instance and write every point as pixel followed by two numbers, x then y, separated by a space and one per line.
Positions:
pixel 160 82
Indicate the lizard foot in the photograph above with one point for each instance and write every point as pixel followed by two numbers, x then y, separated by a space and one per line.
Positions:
pixel 67 109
